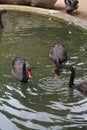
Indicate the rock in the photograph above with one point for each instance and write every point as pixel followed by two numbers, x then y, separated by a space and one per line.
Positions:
pixel 43 3
pixel 15 2
pixel 37 3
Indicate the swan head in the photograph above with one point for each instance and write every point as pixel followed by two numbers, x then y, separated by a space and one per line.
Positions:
pixel 56 72
pixel 5 12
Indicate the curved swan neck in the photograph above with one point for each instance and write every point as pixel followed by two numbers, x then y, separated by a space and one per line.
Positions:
pixel 24 69
pixel 72 76
pixel 1 24
pixel 1 12
pixel 24 79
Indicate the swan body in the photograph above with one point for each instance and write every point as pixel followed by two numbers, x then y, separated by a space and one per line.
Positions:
pixel 82 86
pixel 58 54
pixel 1 13
pixel 71 5
pixel 21 69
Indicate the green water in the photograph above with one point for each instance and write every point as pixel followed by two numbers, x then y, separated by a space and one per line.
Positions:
pixel 44 102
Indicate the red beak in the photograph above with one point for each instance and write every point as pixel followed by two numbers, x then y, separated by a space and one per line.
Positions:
pixel 55 76
pixel 6 13
pixel 29 74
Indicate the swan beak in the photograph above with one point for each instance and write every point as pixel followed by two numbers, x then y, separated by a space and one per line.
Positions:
pixel 55 76
pixel 56 73
pixel 29 74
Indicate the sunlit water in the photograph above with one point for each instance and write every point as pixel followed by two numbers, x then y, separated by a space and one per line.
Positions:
pixel 44 103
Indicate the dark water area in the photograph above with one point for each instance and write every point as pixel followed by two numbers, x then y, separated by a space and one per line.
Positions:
pixel 44 103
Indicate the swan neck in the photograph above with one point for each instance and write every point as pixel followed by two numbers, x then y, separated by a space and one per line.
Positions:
pixel 24 73
pixel 72 76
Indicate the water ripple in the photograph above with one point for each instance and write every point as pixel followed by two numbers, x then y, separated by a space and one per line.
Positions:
pixel 51 85
pixel 43 103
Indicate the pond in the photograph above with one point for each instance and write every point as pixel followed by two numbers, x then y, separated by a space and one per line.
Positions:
pixel 44 102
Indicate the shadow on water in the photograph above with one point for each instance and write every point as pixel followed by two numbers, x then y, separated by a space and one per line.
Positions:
pixel 44 102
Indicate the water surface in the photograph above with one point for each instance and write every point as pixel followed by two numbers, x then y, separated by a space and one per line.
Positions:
pixel 44 102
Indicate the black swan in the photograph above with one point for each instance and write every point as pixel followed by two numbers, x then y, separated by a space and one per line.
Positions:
pixel 71 5
pixel 58 55
pixel 21 69
pixel 82 86
pixel 1 13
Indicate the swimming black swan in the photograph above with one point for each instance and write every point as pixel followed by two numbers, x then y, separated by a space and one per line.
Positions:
pixel 1 13
pixel 21 69
pixel 71 5
pixel 80 86
pixel 58 55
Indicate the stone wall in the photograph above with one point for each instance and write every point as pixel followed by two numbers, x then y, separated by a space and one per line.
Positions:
pixel 43 3
pixel 37 3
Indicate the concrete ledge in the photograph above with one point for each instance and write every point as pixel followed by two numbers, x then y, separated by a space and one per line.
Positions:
pixel 50 13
